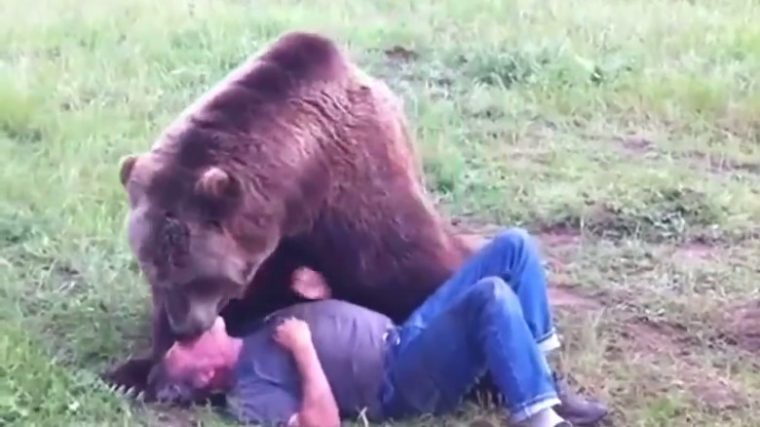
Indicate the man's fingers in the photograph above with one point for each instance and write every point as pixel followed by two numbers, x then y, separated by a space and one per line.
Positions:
pixel 290 330
pixel 287 322
pixel 282 327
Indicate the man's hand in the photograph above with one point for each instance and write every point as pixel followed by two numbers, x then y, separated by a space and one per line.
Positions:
pixel 318 408
pixel 293 334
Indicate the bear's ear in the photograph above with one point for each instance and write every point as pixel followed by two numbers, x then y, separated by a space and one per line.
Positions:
pixel 214 182
pixel 125 169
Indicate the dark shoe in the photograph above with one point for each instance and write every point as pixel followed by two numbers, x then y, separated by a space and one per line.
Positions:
pixel 576 409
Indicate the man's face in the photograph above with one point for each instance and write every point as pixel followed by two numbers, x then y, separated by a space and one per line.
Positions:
pixel 205 362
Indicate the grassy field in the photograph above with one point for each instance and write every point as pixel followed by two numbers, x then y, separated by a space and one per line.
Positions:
pixel 626 134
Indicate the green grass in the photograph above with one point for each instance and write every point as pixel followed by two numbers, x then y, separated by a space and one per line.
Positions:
pixel 631 128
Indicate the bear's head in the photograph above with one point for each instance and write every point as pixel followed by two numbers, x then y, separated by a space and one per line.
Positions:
pixel 196 240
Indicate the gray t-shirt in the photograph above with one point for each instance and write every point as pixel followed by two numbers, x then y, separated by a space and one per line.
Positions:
pixel 350 344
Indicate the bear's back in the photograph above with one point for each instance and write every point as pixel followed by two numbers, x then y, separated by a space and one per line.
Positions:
pixel 378 238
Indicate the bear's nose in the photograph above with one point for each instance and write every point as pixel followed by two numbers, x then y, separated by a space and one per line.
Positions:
pixel 194 323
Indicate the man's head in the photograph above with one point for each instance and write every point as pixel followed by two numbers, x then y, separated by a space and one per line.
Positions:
pixel 196 238
pixel 193 371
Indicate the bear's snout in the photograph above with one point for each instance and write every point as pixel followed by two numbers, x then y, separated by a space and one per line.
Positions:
pixel 192 322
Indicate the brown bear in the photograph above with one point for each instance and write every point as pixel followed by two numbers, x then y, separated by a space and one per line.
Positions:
pixel 296 158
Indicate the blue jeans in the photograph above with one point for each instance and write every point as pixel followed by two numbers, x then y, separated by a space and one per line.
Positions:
pixel 492 315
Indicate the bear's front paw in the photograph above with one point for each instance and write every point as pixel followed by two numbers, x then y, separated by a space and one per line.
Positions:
pixel 131 378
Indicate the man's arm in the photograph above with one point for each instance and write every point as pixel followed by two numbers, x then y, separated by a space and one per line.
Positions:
pixel 318 408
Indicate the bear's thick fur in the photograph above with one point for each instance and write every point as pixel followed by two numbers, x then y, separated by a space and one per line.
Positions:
pixel 297 158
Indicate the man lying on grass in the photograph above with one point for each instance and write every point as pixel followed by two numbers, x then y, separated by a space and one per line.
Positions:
pixel 341 359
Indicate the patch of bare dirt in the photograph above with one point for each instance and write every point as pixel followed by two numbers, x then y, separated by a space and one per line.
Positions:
pixel 567 297
pixel 558 238
pixel 559 245
pixel 401 54
pixel 717 393
pixel 650 337
pixel 637 144
pixel 742 326
pixel 696 252
pixel 704 383
pixel 645 340
pixel 722 164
